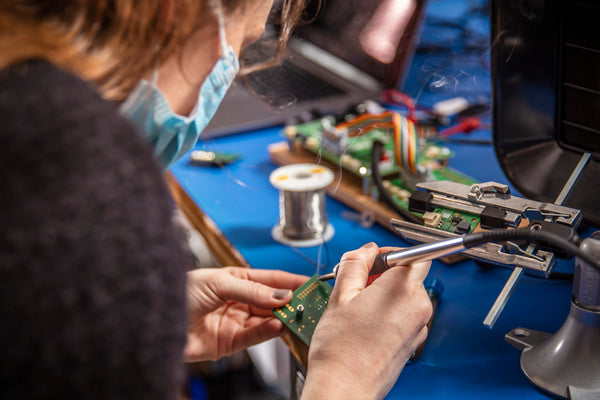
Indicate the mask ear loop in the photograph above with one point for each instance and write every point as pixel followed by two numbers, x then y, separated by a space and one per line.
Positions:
pixel 154 78
pixel 218 10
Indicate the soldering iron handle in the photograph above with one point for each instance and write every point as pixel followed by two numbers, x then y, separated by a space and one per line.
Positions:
pixel 380 265
pixel 421 252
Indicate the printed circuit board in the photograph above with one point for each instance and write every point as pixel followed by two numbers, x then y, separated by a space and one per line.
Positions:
pixel 410 155
pixel 303 312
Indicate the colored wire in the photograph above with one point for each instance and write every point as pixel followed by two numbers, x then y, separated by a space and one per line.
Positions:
pixel 414 146
pixel 367 122
pixel 383 193
pixel 406 146
pixel 465 125
pixel 394 97
pixel 397 142
pixel 404 135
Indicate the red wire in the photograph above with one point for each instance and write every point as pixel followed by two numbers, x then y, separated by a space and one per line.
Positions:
pixel 393 96
pixel 466 125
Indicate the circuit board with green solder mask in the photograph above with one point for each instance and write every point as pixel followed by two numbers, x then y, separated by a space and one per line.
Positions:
pixel 303 312
pixel 353 152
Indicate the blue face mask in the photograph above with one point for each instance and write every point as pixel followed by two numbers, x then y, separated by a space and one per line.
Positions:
pixel 172 135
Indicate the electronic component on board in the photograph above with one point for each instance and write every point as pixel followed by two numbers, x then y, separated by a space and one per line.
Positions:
pixel 334 139
pixel 462 227
pixel 212 158
pixel 431 219
pixel 456 219
pixel 492 217
pixel 420 202
pixel 304 311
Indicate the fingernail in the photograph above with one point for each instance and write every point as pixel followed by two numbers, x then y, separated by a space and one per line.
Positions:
pixel 281 293
pixel 369 245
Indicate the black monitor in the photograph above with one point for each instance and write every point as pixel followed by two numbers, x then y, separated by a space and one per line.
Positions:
pixel 546 98
pixel 339 26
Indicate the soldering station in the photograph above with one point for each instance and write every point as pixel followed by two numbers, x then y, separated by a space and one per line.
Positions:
pixel 389 160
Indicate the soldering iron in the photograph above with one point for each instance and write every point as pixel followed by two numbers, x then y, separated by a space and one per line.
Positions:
pixel 445 247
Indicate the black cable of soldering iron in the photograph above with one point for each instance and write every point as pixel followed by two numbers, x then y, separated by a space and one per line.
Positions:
pixel 383 193
pixel 542 237
pixel 444 247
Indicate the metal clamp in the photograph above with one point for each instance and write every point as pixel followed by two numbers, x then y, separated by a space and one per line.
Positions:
pixel 479 189
pixel 475 199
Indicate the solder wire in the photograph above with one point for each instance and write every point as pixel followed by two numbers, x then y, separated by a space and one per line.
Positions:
pixel 302 214
pixel 319 259
pixel 317 263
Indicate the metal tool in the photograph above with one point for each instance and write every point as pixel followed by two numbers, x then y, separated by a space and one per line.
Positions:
pixel 422 252
pixel 441 248
pixel 475 199
pixel 517 273
pixel 329 276
pixel 429 251
pixel 566 363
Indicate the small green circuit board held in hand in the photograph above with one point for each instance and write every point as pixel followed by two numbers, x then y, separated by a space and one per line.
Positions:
pixel 303 312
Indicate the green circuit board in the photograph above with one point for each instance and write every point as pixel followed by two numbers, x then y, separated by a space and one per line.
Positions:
pixel 356 158
pixel 303 312
pixel 451 219
pixel 204 158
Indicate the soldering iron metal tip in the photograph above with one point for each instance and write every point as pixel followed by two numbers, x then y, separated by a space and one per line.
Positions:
pixel 327 277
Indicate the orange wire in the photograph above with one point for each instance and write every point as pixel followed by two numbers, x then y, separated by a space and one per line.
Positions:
pixel 377 123
pixel 397 133
pixel 412 153
pixel 395 122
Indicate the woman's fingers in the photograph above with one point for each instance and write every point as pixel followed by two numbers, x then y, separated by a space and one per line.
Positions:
pixel 353 271
pixel 252 293
pixel 273 278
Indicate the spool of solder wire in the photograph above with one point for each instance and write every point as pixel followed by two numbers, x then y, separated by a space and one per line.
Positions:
pixel 303 219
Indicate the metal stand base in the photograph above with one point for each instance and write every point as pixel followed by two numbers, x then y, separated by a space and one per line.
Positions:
pixel 566 364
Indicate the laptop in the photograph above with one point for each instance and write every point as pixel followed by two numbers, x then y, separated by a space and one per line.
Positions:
pixel 350 52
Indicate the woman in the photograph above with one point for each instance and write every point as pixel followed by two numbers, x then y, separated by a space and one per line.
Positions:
pixel 92 278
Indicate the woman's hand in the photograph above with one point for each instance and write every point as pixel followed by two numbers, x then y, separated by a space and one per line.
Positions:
pixel 229 309
pixel 367 333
